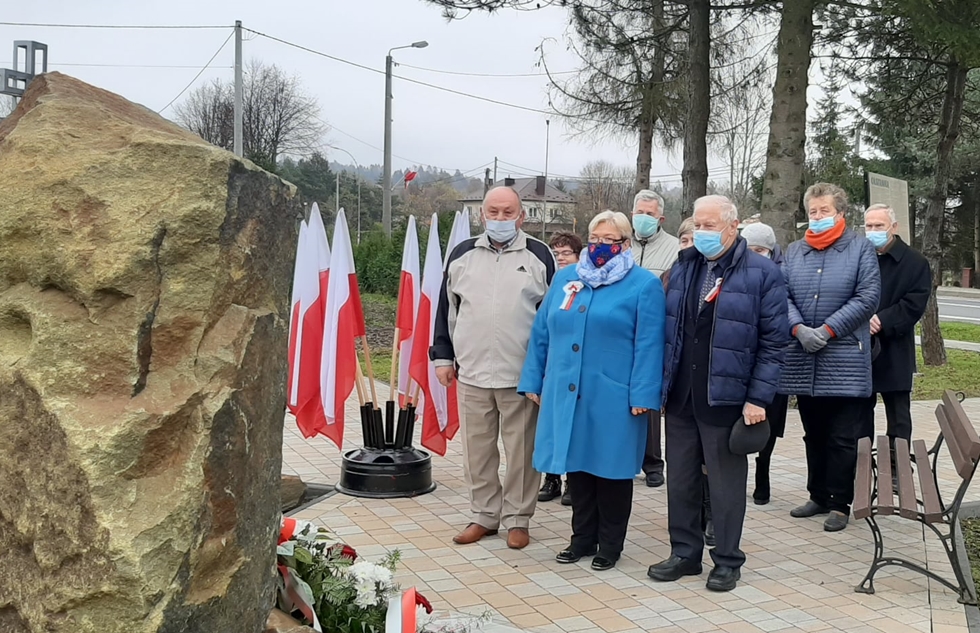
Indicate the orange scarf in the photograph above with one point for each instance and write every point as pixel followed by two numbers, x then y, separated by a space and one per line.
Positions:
pixel 820 241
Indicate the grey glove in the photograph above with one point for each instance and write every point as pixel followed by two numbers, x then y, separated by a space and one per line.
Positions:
pixel 812 339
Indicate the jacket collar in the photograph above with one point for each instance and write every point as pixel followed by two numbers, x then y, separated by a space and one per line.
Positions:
pixel 519 242
pixel 842 242
pixel 897 249
pixel 736 253
pixel 637 242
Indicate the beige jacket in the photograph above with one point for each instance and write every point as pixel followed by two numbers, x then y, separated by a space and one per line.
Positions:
pixel 487 306
pixel 656 254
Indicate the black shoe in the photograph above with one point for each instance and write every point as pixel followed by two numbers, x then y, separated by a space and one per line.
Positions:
pixel 674 568
pixel 761 493
pixel 568 556
pixel 836 522
pixel 566 498
pixel 601 563
pixel 551 488
pixel 723 578
pixel 760 497
pixel 709 533
pixel 655 480
pixel 809 509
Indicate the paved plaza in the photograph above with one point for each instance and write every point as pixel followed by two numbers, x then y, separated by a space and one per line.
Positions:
pixel 797 577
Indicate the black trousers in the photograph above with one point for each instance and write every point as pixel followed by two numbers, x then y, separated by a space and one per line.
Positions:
pixel 689 444
pixel 600 513
pixel 831 428
pixel 898 412
pixel 653 461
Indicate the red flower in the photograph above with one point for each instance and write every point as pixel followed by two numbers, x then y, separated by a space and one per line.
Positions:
pixel 345 551
pixel 421 601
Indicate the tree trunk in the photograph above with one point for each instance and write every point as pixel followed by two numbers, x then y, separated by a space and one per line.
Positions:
pixel 783 179
pixel 652 101
pixel 695 172
pixel 933 349
pixel 976 236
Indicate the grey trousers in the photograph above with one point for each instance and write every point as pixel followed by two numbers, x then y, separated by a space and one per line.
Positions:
pixel 688 443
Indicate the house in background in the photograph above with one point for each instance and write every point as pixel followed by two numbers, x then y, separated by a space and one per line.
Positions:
pixel 546 206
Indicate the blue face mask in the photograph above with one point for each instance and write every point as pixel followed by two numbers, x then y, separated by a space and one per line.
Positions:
pixel 708 243
pixel 819 226
pixel 501 231
pixel 602 253
pixel 645 225
pixel 878 238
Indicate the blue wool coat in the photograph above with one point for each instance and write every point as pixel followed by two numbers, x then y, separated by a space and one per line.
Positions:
pixel 591 364
pixel 838 287
pixel 750 330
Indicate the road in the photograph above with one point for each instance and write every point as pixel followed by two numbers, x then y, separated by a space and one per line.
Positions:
pixel 959 308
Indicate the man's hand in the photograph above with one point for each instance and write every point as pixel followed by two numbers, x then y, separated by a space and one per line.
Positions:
pixel 535 398
pixel 812 339
pixel 875 324
pixel 446 375
pixel 639 410
pixel 753 414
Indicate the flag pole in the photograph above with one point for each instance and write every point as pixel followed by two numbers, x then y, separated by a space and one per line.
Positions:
pixel 370 371
pixel 394 363
pixel 358 378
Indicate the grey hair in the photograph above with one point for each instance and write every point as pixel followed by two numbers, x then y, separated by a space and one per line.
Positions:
pixel 822 189
pixel 520 202
pixel 882 207
pixel 613 218
pixel 687 226
pixel 648 195
pixel 729 212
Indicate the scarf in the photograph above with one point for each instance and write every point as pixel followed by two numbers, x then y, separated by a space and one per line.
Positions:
pixel 821 241
pixel 614 270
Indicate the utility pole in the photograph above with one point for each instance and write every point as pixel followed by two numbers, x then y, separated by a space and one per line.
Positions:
pixel 336 181
pixel 239 144
pixel 386 175
pixel 486 182
pixel 494 170
pixel 544 205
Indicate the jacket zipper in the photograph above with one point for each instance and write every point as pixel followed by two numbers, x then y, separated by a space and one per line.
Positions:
pixel 711 340
pixel 493 320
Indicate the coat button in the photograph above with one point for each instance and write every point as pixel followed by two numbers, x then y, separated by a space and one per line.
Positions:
pixel 694 366
pixel 815 296
pixel 571 387
pixel 575 347
pixel 820 270
pixel 581 308
pixel 695 341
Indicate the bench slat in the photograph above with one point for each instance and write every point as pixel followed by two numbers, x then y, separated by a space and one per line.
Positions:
pixel 863 480
pixel 961 463
pixel 908 507
pixel 966 435
pixel 931 507
pixel 886 493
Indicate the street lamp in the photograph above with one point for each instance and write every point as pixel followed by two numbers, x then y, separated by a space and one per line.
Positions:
pixel 337 183
pixel 386 177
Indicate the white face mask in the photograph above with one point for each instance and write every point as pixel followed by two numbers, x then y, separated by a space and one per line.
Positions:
pixel 501 231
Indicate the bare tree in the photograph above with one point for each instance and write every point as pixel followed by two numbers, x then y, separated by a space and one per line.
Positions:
pixel 278 117
pixel 602 186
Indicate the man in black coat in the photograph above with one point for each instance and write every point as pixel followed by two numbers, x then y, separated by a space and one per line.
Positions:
pixel 906 283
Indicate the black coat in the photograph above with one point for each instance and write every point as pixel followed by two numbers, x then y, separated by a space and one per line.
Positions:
pixel 906 283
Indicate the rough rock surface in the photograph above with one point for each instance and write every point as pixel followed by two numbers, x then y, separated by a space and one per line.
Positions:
pixel 280 622
pixel 144 280
pixel 292 492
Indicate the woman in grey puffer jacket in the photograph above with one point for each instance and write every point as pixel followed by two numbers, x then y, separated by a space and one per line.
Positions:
pixel 834 284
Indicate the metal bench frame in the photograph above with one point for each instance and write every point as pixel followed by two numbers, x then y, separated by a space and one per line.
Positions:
pixel 945 527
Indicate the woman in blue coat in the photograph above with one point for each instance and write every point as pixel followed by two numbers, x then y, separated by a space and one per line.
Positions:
pixel 595 364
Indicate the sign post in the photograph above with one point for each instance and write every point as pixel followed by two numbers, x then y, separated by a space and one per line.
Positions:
pixel 879 189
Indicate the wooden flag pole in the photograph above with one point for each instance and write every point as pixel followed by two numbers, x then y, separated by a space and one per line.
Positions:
pixel 394 365
pixel 358 382
pixel 415 394
pixel 370 371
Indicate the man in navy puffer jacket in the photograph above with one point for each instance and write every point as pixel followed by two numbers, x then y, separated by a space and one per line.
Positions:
pixel 726 336
pixel 834 283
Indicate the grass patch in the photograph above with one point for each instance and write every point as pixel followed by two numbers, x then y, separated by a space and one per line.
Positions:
pixel 379 321
pixel 971 538
pixel 954 331
pixel 961 373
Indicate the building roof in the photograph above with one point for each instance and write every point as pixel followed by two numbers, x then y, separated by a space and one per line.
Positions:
pixel 527 189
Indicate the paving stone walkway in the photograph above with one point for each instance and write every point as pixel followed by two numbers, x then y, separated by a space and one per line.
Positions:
pixel 797 577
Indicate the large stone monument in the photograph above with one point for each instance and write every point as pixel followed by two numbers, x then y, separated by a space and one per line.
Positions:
pixel 144 281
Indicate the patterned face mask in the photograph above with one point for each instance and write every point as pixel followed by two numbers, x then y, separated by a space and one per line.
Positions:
pixel 601 253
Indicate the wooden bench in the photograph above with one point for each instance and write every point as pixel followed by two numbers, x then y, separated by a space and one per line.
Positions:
pixel 874 494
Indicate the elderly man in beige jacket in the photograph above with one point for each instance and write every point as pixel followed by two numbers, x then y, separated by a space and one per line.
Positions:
pixel 491 291
pixel 655 250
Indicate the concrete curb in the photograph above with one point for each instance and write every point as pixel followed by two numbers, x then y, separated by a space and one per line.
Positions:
pixel 963 345
pixel 952 291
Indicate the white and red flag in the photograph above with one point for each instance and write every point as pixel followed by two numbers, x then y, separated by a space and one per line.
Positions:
pixel 409 177
pixel 440 416
pixel 343 322
pixel 409 289
pixel 459 233
pixel 306 326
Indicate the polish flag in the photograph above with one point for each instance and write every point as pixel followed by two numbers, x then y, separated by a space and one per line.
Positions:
pixel 408 304
pixel 343 322
pixel 459 233
pixel 440 417
pixel 300 269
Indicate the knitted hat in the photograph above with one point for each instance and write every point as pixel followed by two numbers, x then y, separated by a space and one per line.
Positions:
pixel 759 234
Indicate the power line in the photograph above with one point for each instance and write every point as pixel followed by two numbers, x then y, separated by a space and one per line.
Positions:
pixel 465 74
pixel 115 26
pixel 125 66
pixel 199 73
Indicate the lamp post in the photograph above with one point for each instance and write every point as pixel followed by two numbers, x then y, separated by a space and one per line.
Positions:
pixel 358 176
pixel 386 177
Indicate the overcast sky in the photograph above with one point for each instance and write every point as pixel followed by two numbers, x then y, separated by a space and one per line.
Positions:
pixel 431 127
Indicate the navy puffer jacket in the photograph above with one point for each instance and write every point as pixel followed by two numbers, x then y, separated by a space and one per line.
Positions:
pixel 838 287
pixel 750 331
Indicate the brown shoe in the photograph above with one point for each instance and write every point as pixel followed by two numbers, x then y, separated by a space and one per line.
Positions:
pixel 517 538
pixel 473 533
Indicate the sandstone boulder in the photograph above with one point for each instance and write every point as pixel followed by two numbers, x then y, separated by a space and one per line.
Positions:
pixel 292 492
pixel 144 280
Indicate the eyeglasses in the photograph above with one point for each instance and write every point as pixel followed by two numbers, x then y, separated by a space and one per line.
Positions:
pixel 608 241
pixel 565 253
